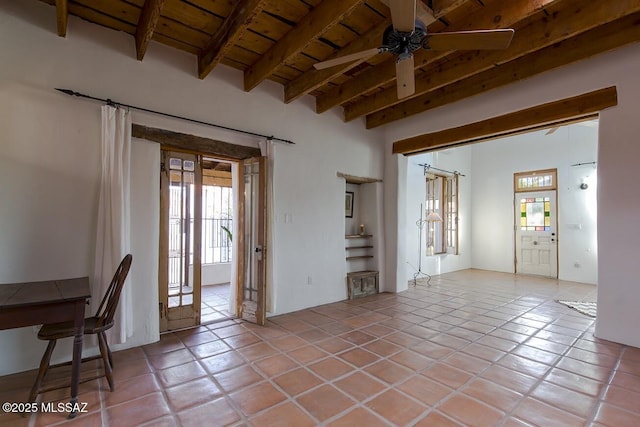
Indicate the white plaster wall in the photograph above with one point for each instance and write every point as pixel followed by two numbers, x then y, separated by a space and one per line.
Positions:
pixel 215 274
pixel 495 162
pixel 618 151
pixel 49 162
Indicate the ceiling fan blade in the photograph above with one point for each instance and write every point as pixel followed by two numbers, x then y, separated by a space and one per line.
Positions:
pixel 403 15
pixel 405 77
pixel 469 40
pixel 365 54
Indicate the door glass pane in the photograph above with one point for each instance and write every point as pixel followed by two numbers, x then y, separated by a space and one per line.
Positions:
pixel 535 214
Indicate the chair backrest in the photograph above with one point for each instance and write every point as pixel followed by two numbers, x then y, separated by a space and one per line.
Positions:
pixel 109 302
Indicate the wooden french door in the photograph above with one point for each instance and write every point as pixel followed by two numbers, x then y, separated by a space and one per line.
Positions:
pixel 252 227
pixel 180 240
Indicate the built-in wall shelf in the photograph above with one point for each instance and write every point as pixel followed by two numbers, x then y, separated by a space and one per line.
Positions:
pixel 358 236
pixel 349 258
pixel 359 247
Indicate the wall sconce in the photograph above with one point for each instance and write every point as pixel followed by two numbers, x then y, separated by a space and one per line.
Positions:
pixel 584 186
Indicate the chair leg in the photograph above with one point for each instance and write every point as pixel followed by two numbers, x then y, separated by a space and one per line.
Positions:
pixel 104 337
pixel 104 352
pixel 44 366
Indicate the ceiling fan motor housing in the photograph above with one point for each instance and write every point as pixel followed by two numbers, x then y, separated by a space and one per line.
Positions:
pixel 402 43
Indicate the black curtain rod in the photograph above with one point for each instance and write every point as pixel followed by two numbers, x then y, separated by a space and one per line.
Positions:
pixel 133 107
pixel 427 167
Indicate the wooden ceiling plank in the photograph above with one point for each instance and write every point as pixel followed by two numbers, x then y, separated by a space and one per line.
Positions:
pixel 147 25
pixel 311 26
pixel 596 41
pixel 62 16
pixel 313 78
pixel 577 106
pixel 243 13
pixel 442 7
pixel 499 16
pixel 577 17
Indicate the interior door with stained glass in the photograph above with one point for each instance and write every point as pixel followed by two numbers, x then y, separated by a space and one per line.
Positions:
pixel 180 240
pixel 536 234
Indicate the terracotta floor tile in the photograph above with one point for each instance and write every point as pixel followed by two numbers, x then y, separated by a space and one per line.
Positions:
pixel 276 365
pixel 324 402
pixel 257 351
pixel 623 398
pixel 222 362
pixel 313 335
pixel 358 417
pixel 357 337
pixel 215 413
pixel 132 389
pixel 198 338
pixel 180 374
pixel 584 369
pixel 536 354
pixel 241 340
pixel 547 345
pixel 492 394
pixel 288 342
pixel 525 366
pixel 412 360
pixel 432 350
pixel 135 412
pixel 396 407
pixel 592 357
pixel 471 412
pixel 167 343
pixel 389 372
pixel 542 415
pixel 568 400
pixel 237 378
pixel 574 382
pixel 330 368
pixel 514 380
pixel 360 386
pixel 447 375
pixel 425 390
pixel 359 357
pixel 334 345
pixel 467 363
pixel 256 398
pixel 403 339
pixel 172 358
pixel 287 414
pixel 297 381
pixel 625 380
pixel 306 354
pixel 436 419
pixel 383 347
pixel 378 330
pixel 192 394
pixel 130 369
pixel 229 331
pixel 614 416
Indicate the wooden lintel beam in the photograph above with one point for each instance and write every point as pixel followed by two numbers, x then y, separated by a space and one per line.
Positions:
pixel 311 26
pixel 577 106
pixel 147 25
pixel 442 7
pixel 192 143
pixel 241 16
pixel 62 16
pixel 504 15
pixel 575 17
pixel 596 41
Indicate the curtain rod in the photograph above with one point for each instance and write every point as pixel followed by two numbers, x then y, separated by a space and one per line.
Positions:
pixel 133 107
pixel 428 167
pixel 582 164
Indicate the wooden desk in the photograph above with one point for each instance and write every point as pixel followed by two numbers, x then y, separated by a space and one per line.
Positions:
pixel 52 301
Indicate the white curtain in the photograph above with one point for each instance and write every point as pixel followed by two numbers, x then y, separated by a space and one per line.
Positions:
pixel 268 150
pixel 113 226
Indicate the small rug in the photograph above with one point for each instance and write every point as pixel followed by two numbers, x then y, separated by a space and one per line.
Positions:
pixel 587 308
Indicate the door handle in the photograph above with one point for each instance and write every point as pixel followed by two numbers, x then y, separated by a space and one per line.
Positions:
pixel 535 243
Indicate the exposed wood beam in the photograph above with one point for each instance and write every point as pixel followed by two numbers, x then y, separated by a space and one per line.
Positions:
pixel 147 25
pixel 598 40
pixel 193 143
pixel 240 17
pixel 311 26
pixel 62 15
pixel 577 106
pixel 500 16
pixel 313 78
pixel 443 6
pixel 576 16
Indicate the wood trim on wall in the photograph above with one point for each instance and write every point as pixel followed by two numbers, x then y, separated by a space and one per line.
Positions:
pixel 177 141
pixel 576 107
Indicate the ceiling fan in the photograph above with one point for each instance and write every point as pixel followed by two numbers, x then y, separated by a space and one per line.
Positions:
pixel 408 34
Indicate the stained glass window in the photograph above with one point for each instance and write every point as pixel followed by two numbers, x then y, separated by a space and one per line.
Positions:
pixel 535 214
pixel 535 181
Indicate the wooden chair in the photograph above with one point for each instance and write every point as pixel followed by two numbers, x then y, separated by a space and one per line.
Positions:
pixel 98 324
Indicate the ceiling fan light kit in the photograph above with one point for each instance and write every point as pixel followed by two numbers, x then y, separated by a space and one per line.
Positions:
pixel 406 35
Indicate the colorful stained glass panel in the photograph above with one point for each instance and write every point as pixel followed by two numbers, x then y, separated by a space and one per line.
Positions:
pixel 535 214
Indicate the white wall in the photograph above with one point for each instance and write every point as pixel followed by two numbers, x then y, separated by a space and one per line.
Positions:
pixel 216 274
pixel 618 151
pixel 49 162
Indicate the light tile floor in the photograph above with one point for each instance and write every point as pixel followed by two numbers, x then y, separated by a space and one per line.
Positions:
pixel 474 348
pixel 215 303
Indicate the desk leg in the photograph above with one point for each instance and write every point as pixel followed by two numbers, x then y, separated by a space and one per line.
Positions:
pixel 77 355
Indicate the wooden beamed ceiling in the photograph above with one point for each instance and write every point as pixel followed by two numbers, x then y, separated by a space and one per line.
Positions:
pixel 280 40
